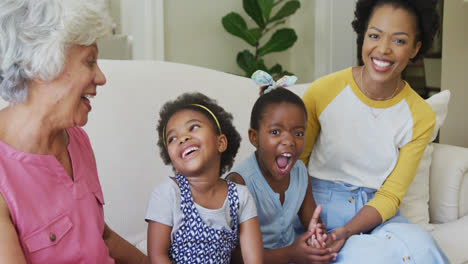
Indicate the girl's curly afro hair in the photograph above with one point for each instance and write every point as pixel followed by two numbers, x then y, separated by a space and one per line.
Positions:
pixel 423 10
pixel 186 101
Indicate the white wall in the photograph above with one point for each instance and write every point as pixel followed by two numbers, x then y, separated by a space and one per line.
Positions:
pixel 194 35
pixel 302 57
pixel 454 71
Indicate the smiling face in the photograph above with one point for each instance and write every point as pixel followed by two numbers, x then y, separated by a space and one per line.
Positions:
pixel 68 95
pixel 193 143
pixel 279 139
pixel 389 43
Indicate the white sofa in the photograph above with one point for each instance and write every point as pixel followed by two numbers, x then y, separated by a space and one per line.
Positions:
pixel 122 129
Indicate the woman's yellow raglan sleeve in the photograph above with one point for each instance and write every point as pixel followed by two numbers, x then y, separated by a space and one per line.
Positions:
pixel 388 198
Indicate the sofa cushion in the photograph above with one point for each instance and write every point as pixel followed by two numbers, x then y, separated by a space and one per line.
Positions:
pixel 439 103
pixel 415 204
pixel 452 239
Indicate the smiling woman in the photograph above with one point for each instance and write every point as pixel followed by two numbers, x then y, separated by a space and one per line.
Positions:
pixel 51 203
pixel 70 91
pixel 366 135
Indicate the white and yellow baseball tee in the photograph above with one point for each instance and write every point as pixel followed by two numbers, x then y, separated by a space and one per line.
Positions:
pixel 353 139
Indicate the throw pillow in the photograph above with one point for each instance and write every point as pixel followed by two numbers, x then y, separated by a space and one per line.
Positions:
pixel 415 204
pixel 439 103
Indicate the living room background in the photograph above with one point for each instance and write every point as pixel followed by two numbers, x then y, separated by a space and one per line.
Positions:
pixel 190 32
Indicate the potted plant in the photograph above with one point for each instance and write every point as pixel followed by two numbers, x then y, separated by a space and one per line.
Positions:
pixel 262 13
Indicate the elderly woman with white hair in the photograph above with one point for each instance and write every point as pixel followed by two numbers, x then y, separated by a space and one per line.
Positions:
pixel 51 202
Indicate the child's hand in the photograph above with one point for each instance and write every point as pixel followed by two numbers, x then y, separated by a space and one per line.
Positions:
pixel 319 236
pixel 300 252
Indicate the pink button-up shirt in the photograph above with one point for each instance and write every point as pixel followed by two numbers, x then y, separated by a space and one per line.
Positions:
pixel 58 220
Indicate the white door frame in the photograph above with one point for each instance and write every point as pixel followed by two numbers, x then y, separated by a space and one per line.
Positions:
pixel 143 21
pixel 158 30
pixel 153 21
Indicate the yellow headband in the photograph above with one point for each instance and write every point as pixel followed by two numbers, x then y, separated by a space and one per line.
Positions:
pixel 201 106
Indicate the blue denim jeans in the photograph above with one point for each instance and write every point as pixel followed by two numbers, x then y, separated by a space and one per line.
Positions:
pixel 395 241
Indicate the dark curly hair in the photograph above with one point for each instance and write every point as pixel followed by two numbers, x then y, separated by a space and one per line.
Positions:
pixel 186 101
pixel 423 10
pixel 276 96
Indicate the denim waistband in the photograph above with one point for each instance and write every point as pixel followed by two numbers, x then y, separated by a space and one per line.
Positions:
pixel 339 186
pixel 361 195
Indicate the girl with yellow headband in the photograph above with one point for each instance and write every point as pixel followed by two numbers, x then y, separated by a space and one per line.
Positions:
pixel 196 216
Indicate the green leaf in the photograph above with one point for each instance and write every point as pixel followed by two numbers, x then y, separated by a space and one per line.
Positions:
pixel 252 9
pixel 278 23
pixel 286 10
pixel 256 33
pixel 245 60
pixel 259 65
pixel 287 73
pixel 277 2
pixel 281 40
pixel 274 25
pixel 266 6
pixel 276 69
pixel 235 24
pixel 278 75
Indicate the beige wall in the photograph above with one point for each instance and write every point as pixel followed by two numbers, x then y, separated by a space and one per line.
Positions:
pixel 194 35
pixel 302 53
pixel 455 72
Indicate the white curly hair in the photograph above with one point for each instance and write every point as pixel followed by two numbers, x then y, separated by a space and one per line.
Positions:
pixel 35 36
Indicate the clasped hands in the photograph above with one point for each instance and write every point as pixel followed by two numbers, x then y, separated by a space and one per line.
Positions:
pixel 319 238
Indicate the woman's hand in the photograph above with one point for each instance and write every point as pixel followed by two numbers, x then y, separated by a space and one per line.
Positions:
pixel 337 239
pixel 121 250
pixel 364 221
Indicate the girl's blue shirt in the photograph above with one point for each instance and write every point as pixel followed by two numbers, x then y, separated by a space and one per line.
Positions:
pixel 279 223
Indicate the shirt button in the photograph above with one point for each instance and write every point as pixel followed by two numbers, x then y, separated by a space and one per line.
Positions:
pixel 406 258
pixel 351 199
pixel 388 236
pixel 52 237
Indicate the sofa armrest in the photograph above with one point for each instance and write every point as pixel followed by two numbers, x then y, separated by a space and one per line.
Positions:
pixel 448 183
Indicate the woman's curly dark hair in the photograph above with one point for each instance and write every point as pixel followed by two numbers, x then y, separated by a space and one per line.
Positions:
pixel 423 10
pixel 186 101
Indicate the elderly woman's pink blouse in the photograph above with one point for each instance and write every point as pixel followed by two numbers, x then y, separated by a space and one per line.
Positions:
pixel 58 220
